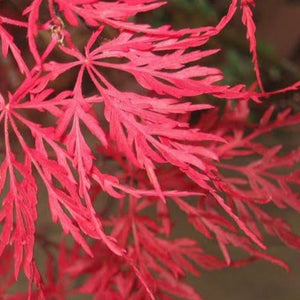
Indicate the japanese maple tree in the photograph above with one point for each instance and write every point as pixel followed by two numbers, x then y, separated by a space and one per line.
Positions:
pixel 101 128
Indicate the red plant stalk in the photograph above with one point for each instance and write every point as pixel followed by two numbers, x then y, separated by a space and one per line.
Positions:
pixel 73 135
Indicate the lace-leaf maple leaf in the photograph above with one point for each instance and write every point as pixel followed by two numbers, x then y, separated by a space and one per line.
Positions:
pixel 108 121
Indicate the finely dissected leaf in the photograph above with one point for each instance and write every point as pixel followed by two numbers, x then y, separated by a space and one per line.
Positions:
pixel 247 19
pixel 112 123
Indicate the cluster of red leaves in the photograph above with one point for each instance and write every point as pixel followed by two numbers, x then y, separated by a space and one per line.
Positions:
pixel 134 146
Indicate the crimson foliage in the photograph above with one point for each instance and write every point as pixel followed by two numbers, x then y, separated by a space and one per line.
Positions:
pixel 133 149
